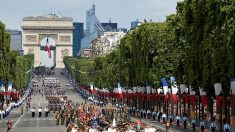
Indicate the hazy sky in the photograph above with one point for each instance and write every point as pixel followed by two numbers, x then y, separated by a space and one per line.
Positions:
pixel 120 11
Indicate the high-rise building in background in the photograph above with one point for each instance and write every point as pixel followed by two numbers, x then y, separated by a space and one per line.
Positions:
pixel 77 36
pixel 122 30
pixel 135 23
pixel 93 28
pixel 110 27
pixel 16 39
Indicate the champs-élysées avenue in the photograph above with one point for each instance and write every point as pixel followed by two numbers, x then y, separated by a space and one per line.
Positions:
pixel 117 66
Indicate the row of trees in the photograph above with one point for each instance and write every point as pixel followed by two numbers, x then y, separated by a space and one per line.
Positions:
pixel 196 45
pixel 13 67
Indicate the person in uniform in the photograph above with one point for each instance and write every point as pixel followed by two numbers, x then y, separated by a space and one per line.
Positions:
pixel 164 118
pixel 202 125
pixel 177 120
pixel 213 126
pixel 9 126
pixel 57 116
pixel 39 111
pixel 33 111
pixel 185 119
pixel 62 118
pixel 22 110
pixel 171 118
pixel 226 127
pixel 193 124
pixel 46 112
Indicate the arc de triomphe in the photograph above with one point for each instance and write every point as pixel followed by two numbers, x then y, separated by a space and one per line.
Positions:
pixel 37 29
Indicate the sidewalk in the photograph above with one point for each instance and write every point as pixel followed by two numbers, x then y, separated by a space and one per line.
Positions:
pixel 14 107
pixel 173 126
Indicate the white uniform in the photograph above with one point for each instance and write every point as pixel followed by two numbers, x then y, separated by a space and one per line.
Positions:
pixel 227 127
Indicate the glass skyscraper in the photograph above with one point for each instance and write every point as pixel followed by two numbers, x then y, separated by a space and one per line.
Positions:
pixel 77 36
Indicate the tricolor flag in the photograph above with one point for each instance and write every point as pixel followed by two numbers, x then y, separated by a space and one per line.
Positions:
pixel 2 88
pixel 92 88
pixel 174 90
pixel 119 90
pixel 203 97
pixel 218 91
pixel 9 86
pixel 48 49
pixel 164 85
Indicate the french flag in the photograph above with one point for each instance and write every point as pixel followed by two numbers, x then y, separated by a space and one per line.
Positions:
pixel 165 85
pixel 119 90
pixel 48 49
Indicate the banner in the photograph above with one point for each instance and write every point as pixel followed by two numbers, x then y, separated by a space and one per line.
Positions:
pixel 174 93
pixel 134 89
pixel 192 96
pixel 203 97
pixel 149 89
pixel 218 89
pixel 218 93
pixel 232 85
pixel 139 89
pixel 182 88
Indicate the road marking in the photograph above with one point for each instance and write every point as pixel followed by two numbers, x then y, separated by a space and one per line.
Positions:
pixel 17 121
pixel 37 125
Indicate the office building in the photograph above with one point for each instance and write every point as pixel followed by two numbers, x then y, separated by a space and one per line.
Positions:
pixel 77 36
pixel 16 39
pixel 135 23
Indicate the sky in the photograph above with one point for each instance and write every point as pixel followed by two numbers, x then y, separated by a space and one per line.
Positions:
pixel 120 11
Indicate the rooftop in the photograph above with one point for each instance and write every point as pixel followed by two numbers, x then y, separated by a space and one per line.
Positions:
pixel 48 17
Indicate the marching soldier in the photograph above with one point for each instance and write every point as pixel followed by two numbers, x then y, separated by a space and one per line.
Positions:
pixel 62 118
pixel 57 116
pixel 22 110
pixel 39 111
pixel 213 126
pixel 33 111
pixel 46 112
pixel 27 107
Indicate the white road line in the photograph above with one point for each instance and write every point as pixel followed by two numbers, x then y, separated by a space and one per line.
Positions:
pixel 37 125
pixel 17 121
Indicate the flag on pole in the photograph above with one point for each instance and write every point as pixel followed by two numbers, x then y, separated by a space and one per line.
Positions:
pixel 174 90
pixel 192 96
pixel 203 97
pixel 119 89
pixel 164 85
pixel 9 86
pixel 48 49
pixel 218 90
pixel 232 86
pixel 92 88
pixel 2 88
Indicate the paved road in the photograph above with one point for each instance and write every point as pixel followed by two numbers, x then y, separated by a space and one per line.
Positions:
pixel 26 123
pixel 173 127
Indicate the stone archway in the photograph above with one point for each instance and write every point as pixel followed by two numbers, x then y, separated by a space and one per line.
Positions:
pixel 59 29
